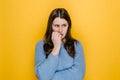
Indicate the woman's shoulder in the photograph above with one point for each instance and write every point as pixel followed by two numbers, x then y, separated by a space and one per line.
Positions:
pixel 77 43
pixel 40 42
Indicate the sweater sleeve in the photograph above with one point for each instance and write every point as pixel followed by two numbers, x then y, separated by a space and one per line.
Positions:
pixel 77 70
pixel 44 68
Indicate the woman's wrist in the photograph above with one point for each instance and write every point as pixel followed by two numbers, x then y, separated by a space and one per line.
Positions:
pixel 55 50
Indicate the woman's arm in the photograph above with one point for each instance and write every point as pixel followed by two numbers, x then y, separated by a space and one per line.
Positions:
pixel 75 72
pixel 44 68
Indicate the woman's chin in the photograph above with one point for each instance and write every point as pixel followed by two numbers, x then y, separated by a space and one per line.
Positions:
pixel 63 40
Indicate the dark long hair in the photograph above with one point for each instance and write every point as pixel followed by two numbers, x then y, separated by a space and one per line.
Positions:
pixel 69 44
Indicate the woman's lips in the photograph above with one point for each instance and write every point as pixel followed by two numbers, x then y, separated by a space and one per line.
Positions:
pixel 61 35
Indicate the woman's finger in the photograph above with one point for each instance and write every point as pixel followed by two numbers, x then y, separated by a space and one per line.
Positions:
pixel 53 33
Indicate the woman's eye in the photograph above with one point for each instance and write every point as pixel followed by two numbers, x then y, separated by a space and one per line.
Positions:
pixel 56 25
pixel 64 25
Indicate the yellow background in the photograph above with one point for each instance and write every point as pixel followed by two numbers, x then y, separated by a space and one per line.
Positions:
pixel 96 23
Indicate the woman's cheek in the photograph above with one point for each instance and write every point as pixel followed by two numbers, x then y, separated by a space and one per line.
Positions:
pixel 55 30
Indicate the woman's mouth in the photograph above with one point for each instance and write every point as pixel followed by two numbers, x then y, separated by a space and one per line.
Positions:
pixel 61 34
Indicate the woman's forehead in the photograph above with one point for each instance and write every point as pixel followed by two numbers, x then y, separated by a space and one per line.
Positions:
pixel 59 20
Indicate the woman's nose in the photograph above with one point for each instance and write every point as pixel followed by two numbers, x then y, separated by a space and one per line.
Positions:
pixel 60 29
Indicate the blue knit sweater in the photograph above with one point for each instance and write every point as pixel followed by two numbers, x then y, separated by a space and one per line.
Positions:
pixel 61 67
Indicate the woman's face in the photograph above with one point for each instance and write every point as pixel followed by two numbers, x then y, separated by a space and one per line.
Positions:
pixel 60 25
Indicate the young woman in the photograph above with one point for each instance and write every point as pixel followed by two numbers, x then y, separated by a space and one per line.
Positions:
pixel 59 56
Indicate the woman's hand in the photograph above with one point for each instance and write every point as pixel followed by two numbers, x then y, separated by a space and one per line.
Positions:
pixel 57 41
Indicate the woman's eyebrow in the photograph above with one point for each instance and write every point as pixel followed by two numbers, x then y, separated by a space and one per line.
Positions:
pixel 56 24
